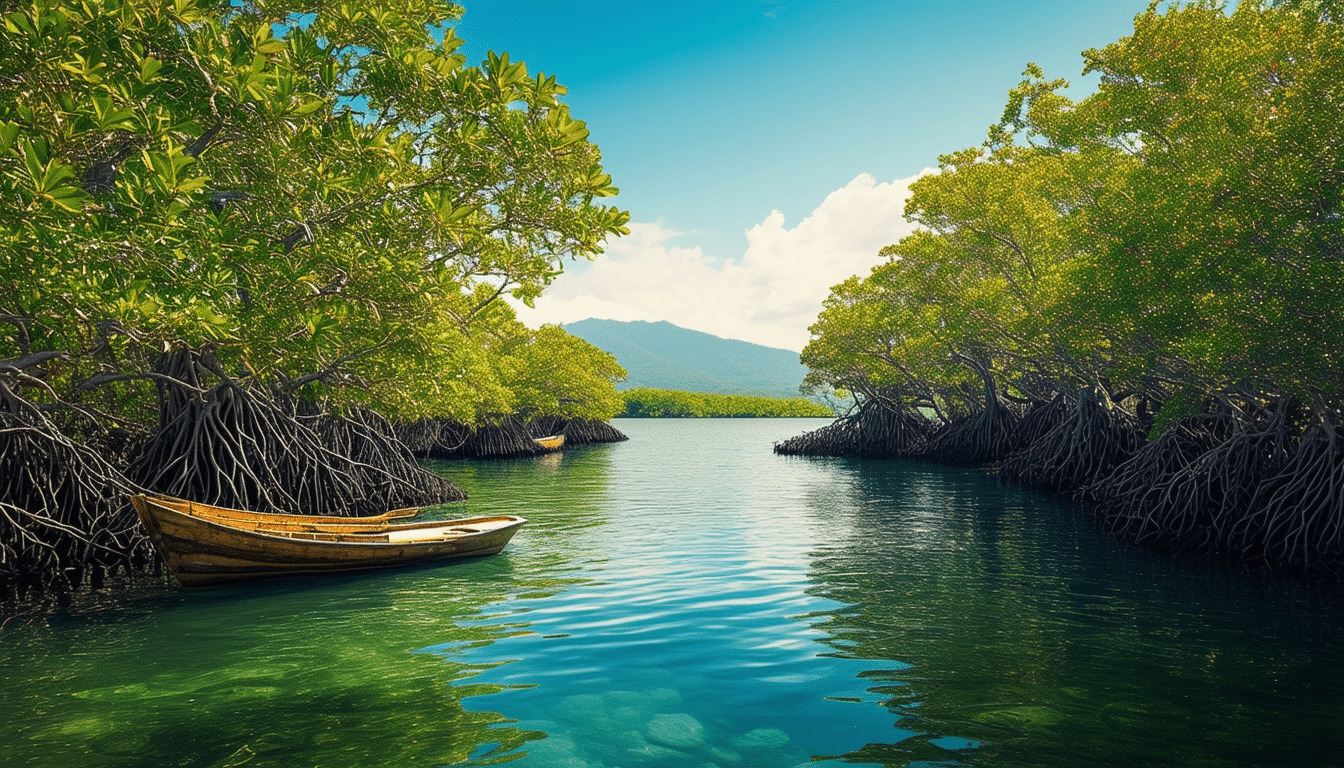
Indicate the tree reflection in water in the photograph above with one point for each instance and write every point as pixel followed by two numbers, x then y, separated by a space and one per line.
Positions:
pixel 1034 639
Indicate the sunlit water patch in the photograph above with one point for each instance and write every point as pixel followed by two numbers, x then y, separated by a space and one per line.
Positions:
pixel 689 599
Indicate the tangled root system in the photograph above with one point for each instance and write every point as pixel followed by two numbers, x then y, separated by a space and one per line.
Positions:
pixel 1191 486
pixel 1088 443
pixel 65 513
pixel 1297 515
pixel 236 447
pixel 252 448
pixel 1040 418
pixel 442 439
pixel 576 431
pixel 877 429
pixel 981 438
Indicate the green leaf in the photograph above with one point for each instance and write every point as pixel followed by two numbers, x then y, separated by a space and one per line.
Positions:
pixel 34 159
pixel 17 23
pixel 9 133
pixel 271 46
pixel 69 198
pixel 109 117
pixel 149 70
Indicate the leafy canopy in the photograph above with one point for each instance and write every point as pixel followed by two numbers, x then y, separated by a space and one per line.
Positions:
pixel 318 190
pixel 1180 230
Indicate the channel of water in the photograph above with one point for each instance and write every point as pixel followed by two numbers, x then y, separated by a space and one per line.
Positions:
pixel 688 598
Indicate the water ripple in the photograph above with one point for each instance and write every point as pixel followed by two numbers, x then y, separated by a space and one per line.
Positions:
pixel 690 599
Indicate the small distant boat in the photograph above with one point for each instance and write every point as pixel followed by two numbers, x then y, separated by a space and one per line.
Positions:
pixel 554 442
pixel 206 545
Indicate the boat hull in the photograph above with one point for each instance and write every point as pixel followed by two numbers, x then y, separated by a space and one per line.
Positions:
pixel 553 442
pixel 205 552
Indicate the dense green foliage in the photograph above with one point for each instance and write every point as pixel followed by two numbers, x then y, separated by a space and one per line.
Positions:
pixel 1179 229
pixel 1170 245
pixel 644 402
pixel 321 192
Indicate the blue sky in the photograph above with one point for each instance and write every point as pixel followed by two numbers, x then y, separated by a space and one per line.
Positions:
pixel 762 147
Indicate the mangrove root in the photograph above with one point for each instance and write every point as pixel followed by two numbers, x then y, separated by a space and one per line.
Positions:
pixel 877 429
pixel 1297 516
pixel 1191 486
pixel 236 447
pixel 1084 446
pixel 576 431
pixel 981 438
pixel 65 513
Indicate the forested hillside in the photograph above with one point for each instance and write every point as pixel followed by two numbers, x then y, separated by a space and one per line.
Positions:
pixel 1136 297
pixel 664 356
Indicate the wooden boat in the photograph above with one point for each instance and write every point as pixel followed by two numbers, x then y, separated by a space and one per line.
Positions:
pixel 206 546
pixel 256 521
pixel 554 442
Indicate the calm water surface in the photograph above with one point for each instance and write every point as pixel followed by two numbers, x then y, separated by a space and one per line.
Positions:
pixel 690 599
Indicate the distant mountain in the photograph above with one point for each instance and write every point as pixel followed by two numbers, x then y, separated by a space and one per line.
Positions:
pixel 664 356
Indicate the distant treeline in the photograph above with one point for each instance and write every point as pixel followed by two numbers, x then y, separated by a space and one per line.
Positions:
pixel 645 403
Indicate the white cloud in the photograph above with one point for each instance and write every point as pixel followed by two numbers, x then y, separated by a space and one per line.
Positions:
pixel 769 296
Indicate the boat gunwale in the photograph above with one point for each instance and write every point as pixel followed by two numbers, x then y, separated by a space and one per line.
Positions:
pixel 207 511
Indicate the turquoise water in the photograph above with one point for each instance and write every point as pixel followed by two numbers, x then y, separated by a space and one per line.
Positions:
pixel 690 599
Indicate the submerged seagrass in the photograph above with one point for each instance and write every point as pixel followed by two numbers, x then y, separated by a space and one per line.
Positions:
pixel 206 545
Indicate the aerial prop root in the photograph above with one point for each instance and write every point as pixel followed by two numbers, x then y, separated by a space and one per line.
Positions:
pixel 983 437
pixel 1087 444
pixel 65 518
pixel 1150 494
pixel 383 461
pixel 879 427
pixel 585 431
pixel 1218 461
pixel 509 438
pixel 250 448
pixel 419 436
pixel 1297 516
pixel 1040 417
pixel 577 431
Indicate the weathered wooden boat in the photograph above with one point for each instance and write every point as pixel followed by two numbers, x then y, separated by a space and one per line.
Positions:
pixel 207 546
pixel 553 442
pixel 256 521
